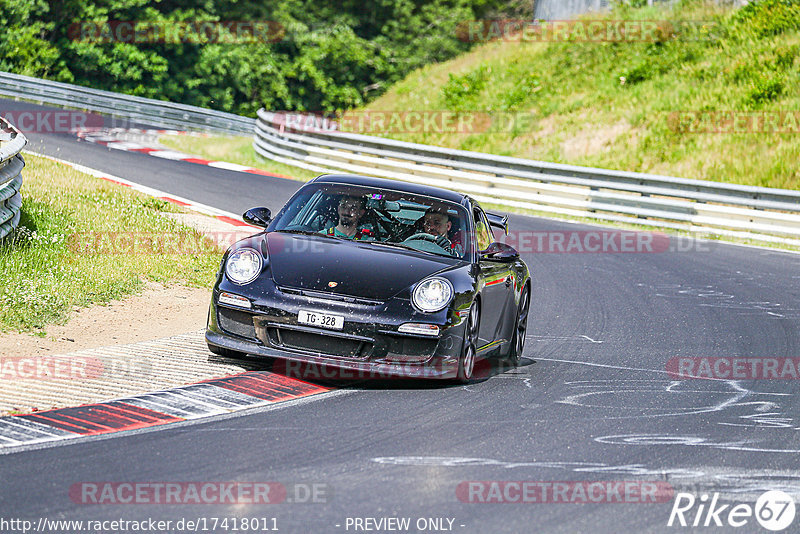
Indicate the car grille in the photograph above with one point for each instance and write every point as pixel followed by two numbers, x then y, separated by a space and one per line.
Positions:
pixel 236 322
pixel 409 349
pixel 330 345
pixel 321 295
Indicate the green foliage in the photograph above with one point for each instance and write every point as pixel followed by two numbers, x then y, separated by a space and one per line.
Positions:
pixel 460 92
pixel 22 48
pixel 765 89
pixel 769 17
pixel 321 56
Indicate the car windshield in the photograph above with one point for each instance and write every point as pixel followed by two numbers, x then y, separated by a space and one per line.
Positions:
pixel 381 217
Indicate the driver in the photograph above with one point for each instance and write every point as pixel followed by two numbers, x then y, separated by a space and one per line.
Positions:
pixel 436 222
pixel 350 210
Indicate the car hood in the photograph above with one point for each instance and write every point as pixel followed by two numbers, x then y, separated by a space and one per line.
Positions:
pixel 354 269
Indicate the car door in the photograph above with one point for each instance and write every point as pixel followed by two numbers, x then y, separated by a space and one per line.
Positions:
pixel 495 278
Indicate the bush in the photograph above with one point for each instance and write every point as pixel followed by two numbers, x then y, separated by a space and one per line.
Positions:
pixel 460 92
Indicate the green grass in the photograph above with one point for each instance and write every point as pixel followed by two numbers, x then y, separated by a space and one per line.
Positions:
pixel 50 265
pixel 610 104
pixel 232 150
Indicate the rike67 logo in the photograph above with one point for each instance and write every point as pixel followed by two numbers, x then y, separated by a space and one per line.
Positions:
pixel 774 510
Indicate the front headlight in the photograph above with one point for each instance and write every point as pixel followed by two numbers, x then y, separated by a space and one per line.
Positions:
pixel 432 295
pixel 243 266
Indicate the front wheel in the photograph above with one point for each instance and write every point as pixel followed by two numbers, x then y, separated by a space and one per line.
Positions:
pixel 520 329
pixel 466 364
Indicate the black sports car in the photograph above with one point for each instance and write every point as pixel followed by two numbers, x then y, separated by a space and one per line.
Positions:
pixel 375 278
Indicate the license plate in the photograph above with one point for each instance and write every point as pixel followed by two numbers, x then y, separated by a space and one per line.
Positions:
pixel 323 320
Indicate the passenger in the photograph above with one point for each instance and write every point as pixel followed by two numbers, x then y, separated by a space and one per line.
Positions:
pixel 350 210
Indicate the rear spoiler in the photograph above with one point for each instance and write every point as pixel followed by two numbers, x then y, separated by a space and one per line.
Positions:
pixel 498 221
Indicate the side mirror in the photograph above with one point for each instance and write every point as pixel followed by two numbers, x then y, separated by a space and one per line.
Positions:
pixel 500 252
pixel 258 217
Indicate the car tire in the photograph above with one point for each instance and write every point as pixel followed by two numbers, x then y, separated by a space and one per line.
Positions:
pixel 469 350
pixel 227 353
pixel 520 329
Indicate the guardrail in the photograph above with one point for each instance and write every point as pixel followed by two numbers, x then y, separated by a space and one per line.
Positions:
pixel 743 211
pixel 694 205
pixel 145 111
pixel 11 164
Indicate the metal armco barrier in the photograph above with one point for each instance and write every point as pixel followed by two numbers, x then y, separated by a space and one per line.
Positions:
pixel 157 113
pixel 11 164
pixel 701 206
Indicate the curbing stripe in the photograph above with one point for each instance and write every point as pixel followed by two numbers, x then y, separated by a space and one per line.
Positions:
pixel 269 386
pixel 80 132
pixel 216 396
pixel 218 400
pixel 196 401
pixel 106 138
pixel 101 418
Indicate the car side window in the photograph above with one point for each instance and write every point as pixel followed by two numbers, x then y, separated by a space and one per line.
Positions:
pixel 482 234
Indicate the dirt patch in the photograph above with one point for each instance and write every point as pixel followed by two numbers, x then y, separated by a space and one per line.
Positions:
pixel 155 313
pixel 592 140
pixel 546 127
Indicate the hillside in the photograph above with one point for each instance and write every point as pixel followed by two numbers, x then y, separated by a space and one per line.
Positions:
pixel 662 106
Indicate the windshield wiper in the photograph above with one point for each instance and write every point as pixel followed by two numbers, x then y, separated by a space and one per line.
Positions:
pixel 399 245
pixel 387 244
pixel 311 232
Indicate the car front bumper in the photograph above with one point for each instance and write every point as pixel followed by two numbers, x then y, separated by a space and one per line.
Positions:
pixel 368 347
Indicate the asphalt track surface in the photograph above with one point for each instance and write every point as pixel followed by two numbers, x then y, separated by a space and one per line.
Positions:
pixel 591 402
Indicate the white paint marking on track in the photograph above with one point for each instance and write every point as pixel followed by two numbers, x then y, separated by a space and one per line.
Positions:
pixel 228 166
pixel 15 431
pixel 124 145
pixel 170 154
pixel 197 400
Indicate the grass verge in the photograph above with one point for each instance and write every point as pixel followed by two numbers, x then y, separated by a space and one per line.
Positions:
pixel 69 250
